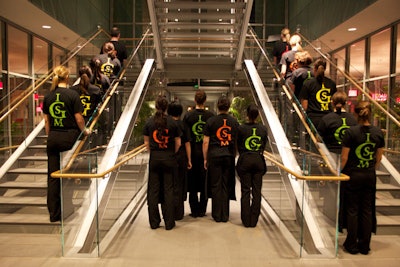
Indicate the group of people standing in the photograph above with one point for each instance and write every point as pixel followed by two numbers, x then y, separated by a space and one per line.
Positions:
pixel 350 138
pixel 67 110
pixel 200 151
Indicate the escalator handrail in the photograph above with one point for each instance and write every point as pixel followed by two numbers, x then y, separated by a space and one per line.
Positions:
pixel 123 159
pixel 272 158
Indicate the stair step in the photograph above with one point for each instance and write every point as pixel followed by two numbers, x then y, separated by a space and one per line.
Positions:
pixel 24 185
pixel 29 171
pixel 393 202
pixel 388 220
pixel 28 201
pixel 37 147
pixel 384 186
pixel 36 158
pixel 25 219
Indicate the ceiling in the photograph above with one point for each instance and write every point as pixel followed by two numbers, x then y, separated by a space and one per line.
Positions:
pixel 200 40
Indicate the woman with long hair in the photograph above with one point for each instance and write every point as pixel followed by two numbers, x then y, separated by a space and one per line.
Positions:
pixel 361 154
pixel 251 141
pixel 162 140
pixel 64 122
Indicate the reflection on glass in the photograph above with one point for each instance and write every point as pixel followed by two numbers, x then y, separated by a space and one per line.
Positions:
pixel 380 54
pixel 17 51
pixel 40 56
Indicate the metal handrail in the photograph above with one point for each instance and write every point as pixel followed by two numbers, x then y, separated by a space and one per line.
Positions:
pixel 299 110
pixel 104 104
pixel 341 177
pixel 126 157
pixel 362 90
pixel 31 89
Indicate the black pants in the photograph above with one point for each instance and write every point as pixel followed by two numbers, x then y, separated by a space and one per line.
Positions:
pixel 57 142
pixel 359 208
pixel 161 189
pixel 180 191
pixel 250 168
pixel 220 170
pixel 197 186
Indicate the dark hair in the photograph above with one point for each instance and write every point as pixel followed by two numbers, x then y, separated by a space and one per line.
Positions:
pixel 115 32
pixel 200 97
pixel 96 78
pixel 223 103
pixel 339 100
pixel 363 110
pixel 85 73
pixel 108 48
pixel 319 67
pixel 252 112
pixel 160 118
pixel 175 109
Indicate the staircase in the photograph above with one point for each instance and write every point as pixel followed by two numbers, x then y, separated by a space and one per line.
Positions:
pixel 387 204
pixel 23 192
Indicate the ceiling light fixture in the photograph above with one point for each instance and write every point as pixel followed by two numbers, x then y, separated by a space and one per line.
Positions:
pixel 353 29
pixel 46 26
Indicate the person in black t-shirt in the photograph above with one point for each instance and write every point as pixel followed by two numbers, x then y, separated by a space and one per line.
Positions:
pixel 333 125
pixel 219 150
pixel 184 161
pixel 162 138
pixel 281 46
pixel 361 155
pixel 119 47
pixel 315 95
pixel 197 185
pixel 63 118
pixel 90 94
pixel 251 141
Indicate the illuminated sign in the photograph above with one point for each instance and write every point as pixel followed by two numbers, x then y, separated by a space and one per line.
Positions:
pixel 379 97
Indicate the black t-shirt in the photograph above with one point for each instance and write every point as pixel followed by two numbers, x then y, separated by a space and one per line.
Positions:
pixel 298 77
pixel 318 95
pixel 279 48
pixel 332 128
pixel 162 141
pixel 363 142
pixel 252 137
pixel 89 100
pixel 195 121
pixel 287 60
pixel 62 104
pixel 222 130
pixel 109 66
pixel 121 51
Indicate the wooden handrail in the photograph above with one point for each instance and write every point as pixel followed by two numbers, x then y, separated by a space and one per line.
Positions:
pixel 341 177
pixel 31 89
pixel 136 151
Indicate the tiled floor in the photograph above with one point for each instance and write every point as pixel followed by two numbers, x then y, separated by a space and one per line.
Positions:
pixel 194 242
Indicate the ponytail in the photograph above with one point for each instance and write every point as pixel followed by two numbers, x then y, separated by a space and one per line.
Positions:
pixel 61 74
pixel 319 67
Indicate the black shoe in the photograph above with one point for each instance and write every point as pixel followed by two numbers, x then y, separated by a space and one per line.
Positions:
pixel 170 227
pixel 154 226
pixel 55 219
pixel 351 251
pixel 202 214
pixel 194 215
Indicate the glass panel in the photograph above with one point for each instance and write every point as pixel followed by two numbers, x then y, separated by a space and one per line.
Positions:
pixel 17 51
pixel 76 197
pixel 357 52
pixel 58 56
pixel 339 59
pixel 398 49
pixel 40 56
pixel 380 54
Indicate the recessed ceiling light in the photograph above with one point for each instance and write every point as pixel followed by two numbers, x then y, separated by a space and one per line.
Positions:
pixel 352 29
pixel 46 26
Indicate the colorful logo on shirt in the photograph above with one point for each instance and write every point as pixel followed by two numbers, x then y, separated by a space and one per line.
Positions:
pixel 85 100
pixel 57 111
pixel 107 68
pixel 224 134
pixel 324 97
pixel 253 142
pixel 365 153
pixel 339 132
pixel 161 138
pixel 197 130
